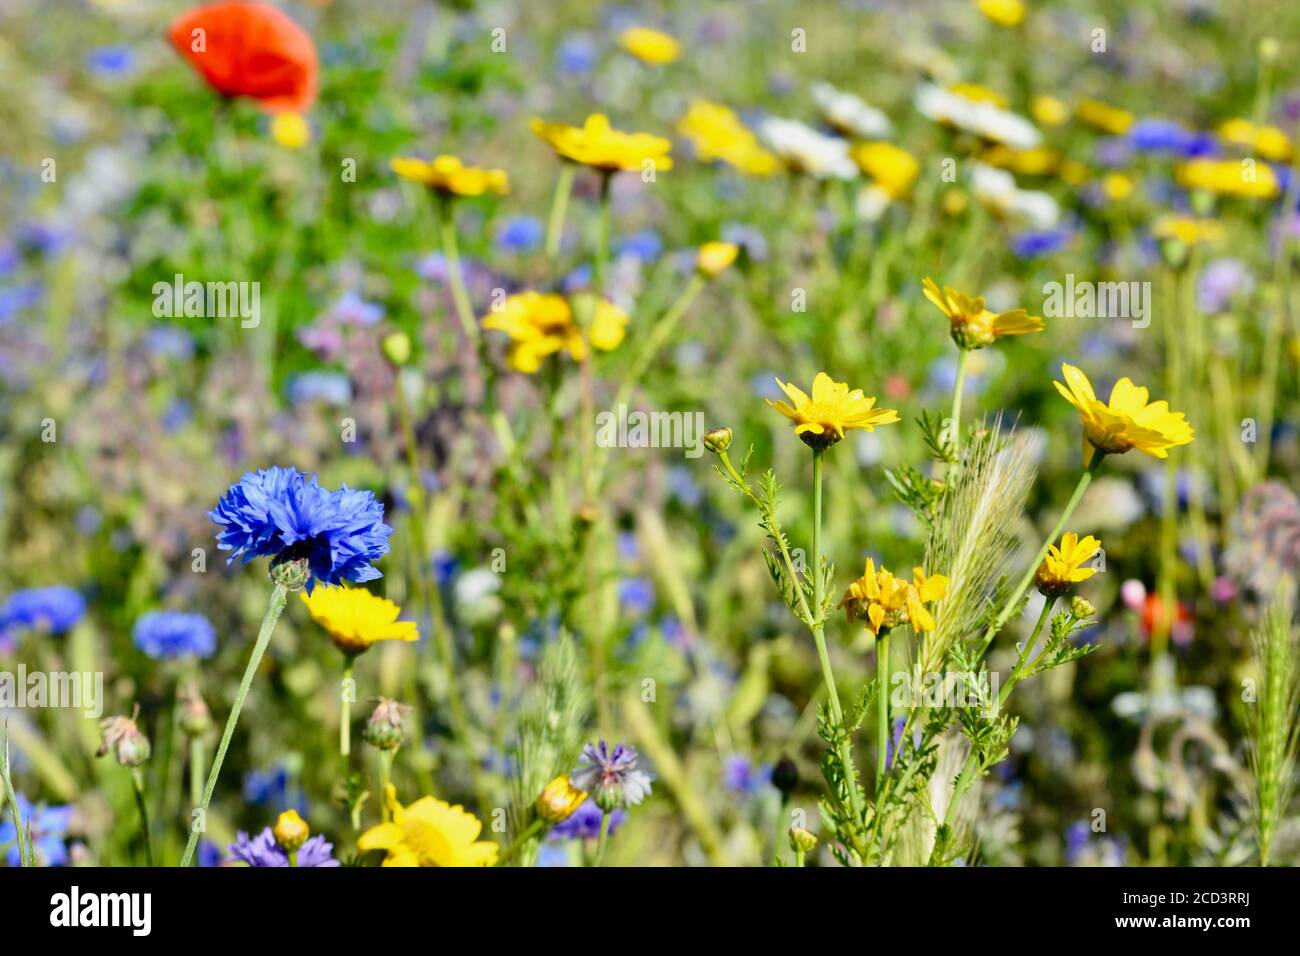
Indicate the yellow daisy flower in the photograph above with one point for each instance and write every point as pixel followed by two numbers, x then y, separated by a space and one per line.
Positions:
pixel 718 135
pixel 713 258
pixel 1187 229
pixel 973 326
pixel 650 46
pixel 600 146
pixel 1063 566
pixel 1127 421
pixel 1104 117
pixel 290 130
pixel 882 601
pixel 891 168
pixel 357 619
pixel 822 420
pixel 448 176
pixel 1049 110
pixel 541 324
pixel 1005 13
pixel 428 833
pixel 1269 141
pixel 1229 177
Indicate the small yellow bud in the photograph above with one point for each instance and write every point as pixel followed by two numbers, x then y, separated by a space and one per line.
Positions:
pixel 290 831
pixel 1269 48
pixel 290 130
pixel 715 257
pixel 717 440
pixel 396 347
pixel 801 841
pixel 558 800
pixel 1081 607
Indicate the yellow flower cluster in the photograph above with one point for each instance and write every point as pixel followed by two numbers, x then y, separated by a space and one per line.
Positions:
pixel 882 601
pixel 718 135
pixel 599 145
pixel 448 176
pixel 1268 141
pixel 1229 177
pixel 542 323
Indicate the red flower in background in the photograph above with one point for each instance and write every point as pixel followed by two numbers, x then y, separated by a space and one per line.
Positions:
pixel 250 49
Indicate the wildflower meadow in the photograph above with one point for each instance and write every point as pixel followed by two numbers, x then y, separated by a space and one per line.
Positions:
pixel 732 434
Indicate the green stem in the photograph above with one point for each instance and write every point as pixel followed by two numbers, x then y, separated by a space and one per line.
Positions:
pixel 456 275
pixel 604 836
pixel 273 610
pixel 559 208
pixel 1014 601
pixel 137 784
pixel 386 758
pixel 20 835
pixel 1023 659
pixel 345 715
pixel 602 234
pixel 843 749
pixel 197 760
pixel 954 433
pixel 882 707
pixel 533 829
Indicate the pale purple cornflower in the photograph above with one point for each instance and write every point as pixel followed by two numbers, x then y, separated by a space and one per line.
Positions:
pixel 611 775
pixel 262 850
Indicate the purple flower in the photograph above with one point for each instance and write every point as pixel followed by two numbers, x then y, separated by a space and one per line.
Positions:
pixel 1221 281
pixel 284 514
pixel 741 776
pixel 585 823
pixel 262 850
pixel 166 635
pixel 611 776
pixel 519 234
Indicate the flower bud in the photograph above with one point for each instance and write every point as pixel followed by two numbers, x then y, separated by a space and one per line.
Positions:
pixel 124 739
pixel 559 800
pixel 1081 607
pixel 384 729
pixel 291 573
pixel 718 440
pixel 785 776
pixel 196 720
pixel 801 841
pixel 1269 48
pixel 396 347
pixel 715 257
pixel 290 831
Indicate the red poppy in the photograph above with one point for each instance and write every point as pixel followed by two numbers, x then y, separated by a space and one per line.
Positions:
pixel 250 49
pixel 1155 616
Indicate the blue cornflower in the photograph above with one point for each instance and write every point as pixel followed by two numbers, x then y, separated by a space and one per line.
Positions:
pixel 585 823
pixel 1166 136
pixel 48 826
pixel 742 777
pixel 644 245
pixel 262 850
pixel 116 60
pixel 55 609
pixel 286 515
pixel 330 388
pixel 577 54
pixel 636 595
pixel 1036 244
pixel 165 635
pixel 519 234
